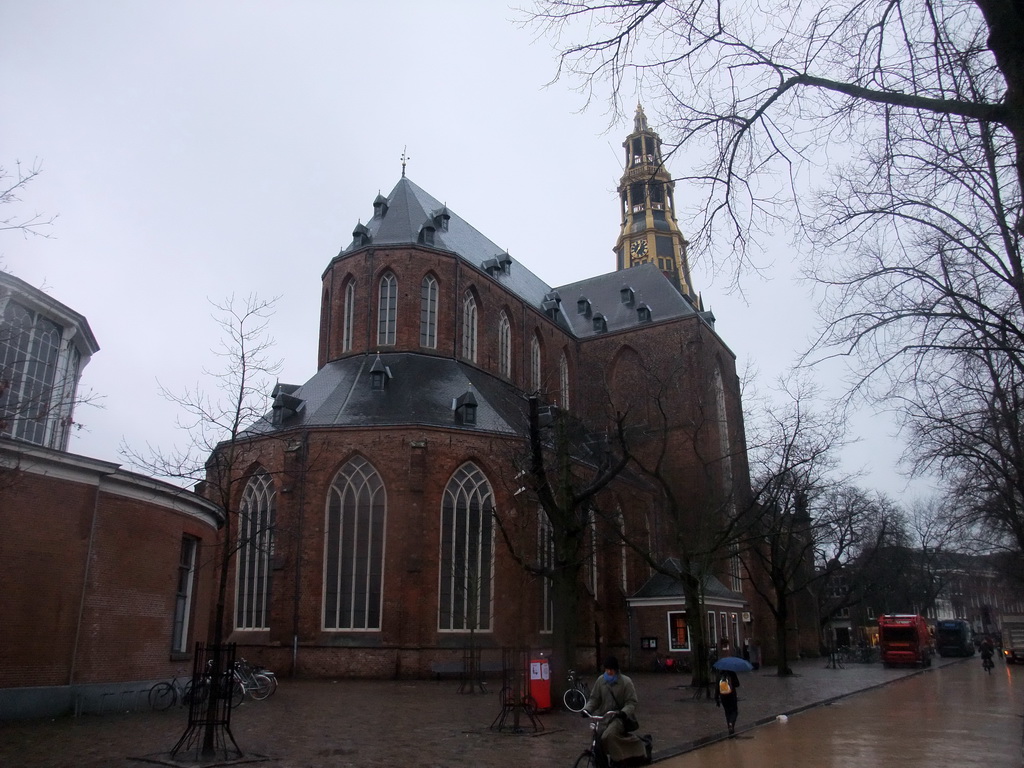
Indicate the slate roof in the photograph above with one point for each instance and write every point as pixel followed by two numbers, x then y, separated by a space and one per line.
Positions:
pixel 661 585
pixel 409 207
pixel 647 286
pixel 420 391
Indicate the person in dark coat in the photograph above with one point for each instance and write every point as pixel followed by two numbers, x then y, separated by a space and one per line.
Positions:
pixel 727 698
pixel 614 692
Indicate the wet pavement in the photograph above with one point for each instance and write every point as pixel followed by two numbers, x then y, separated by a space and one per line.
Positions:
pixel 378 724
pixel 958 716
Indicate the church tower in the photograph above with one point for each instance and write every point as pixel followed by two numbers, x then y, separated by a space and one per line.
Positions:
pixel 650 232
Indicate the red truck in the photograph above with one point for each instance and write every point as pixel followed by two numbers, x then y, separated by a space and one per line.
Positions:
pixel 904 639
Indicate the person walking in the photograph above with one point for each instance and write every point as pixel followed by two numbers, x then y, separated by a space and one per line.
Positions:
pixel 727 698
pixel 615 692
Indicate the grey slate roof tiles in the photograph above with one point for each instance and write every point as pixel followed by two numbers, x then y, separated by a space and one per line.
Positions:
pixel 422 387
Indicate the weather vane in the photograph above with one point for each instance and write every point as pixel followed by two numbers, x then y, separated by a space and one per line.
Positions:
pixel 405 159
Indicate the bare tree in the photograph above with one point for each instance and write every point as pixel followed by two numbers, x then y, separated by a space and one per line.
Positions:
pixel 12 185
pixel 851 555
pixel 794 455
pixel 680 442
pixel 562 478
pixel 889 135
pixel 215 455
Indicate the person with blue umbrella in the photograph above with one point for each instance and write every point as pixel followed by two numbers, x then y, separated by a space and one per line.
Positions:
pixel 726 685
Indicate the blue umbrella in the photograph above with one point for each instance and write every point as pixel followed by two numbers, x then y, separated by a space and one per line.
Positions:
pixel 733 664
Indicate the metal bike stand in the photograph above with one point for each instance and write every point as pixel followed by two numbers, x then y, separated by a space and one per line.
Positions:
pixel 516 700
pixel 209 716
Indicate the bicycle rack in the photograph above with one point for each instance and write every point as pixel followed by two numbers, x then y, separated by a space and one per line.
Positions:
pixel 209 717
pixel 516 700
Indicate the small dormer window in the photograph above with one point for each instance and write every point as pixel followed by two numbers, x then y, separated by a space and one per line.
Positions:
pixel 583 306
pixel 441 217
pixel 643 313
pixel 285 405
pixel 600 324
pixel 380 207
pixel 426 236
pixel 551 303
pixel 626 295
pixel 505 262
pixel 465 408
pixel 491 266
pixel 361 236
pixel 379 375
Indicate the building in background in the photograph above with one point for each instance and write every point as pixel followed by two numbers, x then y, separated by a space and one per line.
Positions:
pixel 44 345
pixel 382 498
pixel 105 575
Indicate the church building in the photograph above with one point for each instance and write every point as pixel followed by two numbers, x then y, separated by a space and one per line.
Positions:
pixel 383 522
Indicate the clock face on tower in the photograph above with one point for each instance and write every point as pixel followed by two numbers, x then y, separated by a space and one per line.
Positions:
pixel 638 250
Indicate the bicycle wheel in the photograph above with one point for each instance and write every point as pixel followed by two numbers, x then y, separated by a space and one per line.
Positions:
pixel 162 696
pixel 586 760
pixel 195 694
pixel 238 692
pixel 273 682
pixel 262 687
pixel 574 700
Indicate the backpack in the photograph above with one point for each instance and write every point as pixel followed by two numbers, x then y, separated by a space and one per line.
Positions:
pixel 724 686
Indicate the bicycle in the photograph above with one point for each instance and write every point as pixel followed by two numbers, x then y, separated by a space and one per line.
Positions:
pixel 594 756
pixel 987 664
pixel 256 684
pixel 575 698
pixel 165 695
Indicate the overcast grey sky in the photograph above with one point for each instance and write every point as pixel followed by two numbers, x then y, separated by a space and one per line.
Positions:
pixel 200 148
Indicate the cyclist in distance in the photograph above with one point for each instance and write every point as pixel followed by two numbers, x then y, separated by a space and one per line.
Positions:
pixel 987 650
pixel 615 692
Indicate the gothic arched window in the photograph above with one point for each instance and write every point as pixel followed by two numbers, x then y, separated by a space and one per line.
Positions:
pixel 467 552
pixel 469 328
pixel 255 547
pixel 348 315
pixel 387 310
pixel 428 312
pixel 354 548
pixel 504 345
pixel 535 372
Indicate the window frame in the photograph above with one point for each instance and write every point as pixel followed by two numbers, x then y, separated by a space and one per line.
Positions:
pixel 670 619
pixel 348 316
pixel 428 312
pixel 504 345
pixel 254 555
pixel 467 536
pixel 358 481
pixel 184 598
pixel 387 310
pixel 470 315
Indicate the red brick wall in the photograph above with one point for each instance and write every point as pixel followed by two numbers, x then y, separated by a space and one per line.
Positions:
pixel 410 264
pixel 129 578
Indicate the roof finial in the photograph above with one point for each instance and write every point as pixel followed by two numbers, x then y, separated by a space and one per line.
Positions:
pixel 639 119
pixel 405 159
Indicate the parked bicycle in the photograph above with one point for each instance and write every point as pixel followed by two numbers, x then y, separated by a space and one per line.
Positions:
pixel 575 698
pixel 178 689
pixel 254 683
pixel 594 756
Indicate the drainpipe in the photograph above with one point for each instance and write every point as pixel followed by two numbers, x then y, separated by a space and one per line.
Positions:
pixel 297 597
pixel 85 575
